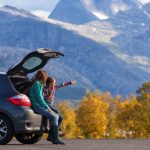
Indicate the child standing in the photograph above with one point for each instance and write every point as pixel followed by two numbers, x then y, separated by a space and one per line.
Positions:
pixel 49 93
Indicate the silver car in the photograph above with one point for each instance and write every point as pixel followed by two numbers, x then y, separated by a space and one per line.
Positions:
pixel 16 117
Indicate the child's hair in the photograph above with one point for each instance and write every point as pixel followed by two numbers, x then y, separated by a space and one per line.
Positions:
pixel 41 76
pixel 50 81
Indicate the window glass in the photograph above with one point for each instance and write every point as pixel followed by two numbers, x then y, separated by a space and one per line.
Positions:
pixel 32 63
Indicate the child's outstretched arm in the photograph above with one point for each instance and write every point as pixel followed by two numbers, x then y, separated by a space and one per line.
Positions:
pixel 73 82
pixel 63 84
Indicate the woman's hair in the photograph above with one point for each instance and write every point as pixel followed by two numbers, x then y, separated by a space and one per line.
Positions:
pixel 50 81
pixel 41 76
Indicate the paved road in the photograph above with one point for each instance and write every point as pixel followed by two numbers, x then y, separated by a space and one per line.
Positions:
pixel 82 145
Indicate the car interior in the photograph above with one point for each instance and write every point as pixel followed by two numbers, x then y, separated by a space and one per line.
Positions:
pixel 20 81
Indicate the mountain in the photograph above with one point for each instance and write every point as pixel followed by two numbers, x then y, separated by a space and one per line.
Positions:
pixel 21 34
pixel 133 27
pixel 72 12
pixel 83 11
pixel 124 30
pixel 92 54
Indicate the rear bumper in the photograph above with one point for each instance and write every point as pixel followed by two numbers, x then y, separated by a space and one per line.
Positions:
pixel 24 120
pixel 28 121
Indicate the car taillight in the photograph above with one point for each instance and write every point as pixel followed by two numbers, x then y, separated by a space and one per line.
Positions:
pixel 20 100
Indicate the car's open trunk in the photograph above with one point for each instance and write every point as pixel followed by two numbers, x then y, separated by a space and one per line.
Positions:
pixel 29 64
pixel 20 81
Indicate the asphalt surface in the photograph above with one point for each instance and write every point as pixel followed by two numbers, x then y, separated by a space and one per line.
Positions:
pixel 82 145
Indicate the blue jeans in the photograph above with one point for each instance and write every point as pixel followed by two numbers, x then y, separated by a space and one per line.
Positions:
pixel 60 117
pixel 56 111
pixel 53 117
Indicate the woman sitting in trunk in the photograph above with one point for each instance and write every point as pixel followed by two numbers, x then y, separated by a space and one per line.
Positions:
pixel 39 106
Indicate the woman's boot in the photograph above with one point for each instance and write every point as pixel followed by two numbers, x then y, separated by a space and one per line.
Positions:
pixel 55 136
pixel 50 135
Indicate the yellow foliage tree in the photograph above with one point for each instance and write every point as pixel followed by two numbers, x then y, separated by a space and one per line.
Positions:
pixel 144 107
pixel 92 116
pixel 112 131
pixel 69 126
pixel 126 116
pixel 143 115
pixel 132 118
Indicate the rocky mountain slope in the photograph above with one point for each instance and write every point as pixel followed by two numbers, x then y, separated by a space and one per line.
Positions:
pixel 92 53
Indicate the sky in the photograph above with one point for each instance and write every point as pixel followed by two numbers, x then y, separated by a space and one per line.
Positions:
pixel 37 7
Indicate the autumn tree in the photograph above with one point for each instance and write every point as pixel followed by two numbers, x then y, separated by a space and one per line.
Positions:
pixel 144 104
pixel 69 126
pixel 125 116
pixel 112 103
pixel 132 117
pixel 92 116
pixel 144 91
pixel 99 115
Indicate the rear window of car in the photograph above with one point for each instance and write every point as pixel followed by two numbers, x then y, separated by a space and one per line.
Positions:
pixel 32 63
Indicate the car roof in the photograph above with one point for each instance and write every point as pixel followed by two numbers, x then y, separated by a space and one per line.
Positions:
pixel 3 73
pixel 6 88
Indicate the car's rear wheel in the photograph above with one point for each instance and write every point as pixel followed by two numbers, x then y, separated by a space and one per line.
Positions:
pixel 6 130
pixel 28 138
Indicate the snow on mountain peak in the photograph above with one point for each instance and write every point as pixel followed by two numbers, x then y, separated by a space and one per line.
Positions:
pixel 144 1
pixel 90 6
pixel 118 6
pixel 100 15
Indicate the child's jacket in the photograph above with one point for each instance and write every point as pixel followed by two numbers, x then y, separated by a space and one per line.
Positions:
pixel 49 94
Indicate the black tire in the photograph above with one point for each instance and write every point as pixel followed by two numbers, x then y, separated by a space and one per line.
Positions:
pixel 6 130
pixel 29 138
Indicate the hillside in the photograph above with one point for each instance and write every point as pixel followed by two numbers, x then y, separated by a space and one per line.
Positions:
pixel 94 61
